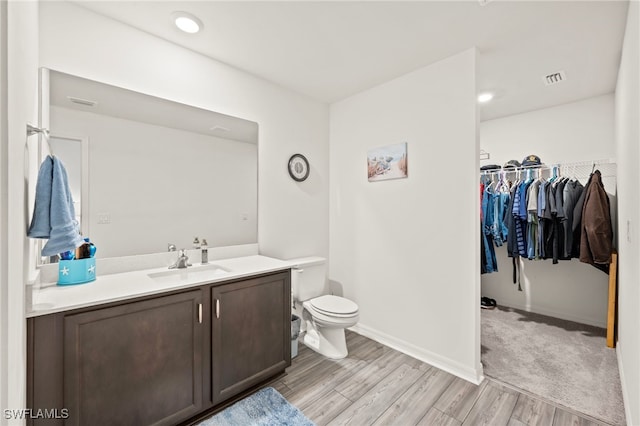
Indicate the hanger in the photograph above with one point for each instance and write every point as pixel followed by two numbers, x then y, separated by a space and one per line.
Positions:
pixel 554 174
pixel 518 175
pixel 500 181
pixel 492 181
pixel 529 175
pixel 505 184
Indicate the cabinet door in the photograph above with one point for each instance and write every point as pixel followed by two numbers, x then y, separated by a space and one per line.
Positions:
pixel 251 333
pixel 135 364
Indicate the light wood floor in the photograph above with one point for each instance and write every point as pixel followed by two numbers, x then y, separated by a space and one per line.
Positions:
pixel 376 385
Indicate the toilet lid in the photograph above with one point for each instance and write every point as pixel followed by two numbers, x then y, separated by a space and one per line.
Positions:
pixel 334 305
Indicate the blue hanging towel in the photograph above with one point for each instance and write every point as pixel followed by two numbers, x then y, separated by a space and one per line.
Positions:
pixel 54 215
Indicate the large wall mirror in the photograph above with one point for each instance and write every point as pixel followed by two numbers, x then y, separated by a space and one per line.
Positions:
pixel 147 171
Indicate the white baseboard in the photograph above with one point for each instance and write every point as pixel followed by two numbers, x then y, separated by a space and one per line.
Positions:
pixel 623 383
pixel 555 314
pixel 443 363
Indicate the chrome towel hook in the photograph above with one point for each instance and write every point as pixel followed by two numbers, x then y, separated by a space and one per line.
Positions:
pixel 32 130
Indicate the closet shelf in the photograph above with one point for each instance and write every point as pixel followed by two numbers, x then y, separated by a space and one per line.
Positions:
pixel 578 169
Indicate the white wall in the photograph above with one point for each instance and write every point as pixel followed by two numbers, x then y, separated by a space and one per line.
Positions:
pixel 161 185
pixel 292 218
pixel 578 131
pixel 406 251
pixel 627 143
pixel 19 162
pixel 4 142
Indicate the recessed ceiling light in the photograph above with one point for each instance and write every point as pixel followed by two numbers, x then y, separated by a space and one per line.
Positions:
pixel 187 22
pixel 485 97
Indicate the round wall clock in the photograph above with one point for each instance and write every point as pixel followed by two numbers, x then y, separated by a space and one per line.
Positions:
pixel 298 167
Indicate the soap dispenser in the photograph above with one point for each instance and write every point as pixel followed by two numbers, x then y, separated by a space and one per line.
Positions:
pixel 205 252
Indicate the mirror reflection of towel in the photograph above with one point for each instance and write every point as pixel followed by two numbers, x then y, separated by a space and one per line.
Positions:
pixel 54 215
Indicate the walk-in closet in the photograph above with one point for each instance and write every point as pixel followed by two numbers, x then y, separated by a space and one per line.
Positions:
pixel 548 278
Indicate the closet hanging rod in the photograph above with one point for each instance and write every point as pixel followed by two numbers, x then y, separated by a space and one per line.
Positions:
pixel 561 166
pixel 565 172
pixel 519 169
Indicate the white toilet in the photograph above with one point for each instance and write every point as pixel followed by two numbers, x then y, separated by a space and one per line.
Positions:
pixel 324 316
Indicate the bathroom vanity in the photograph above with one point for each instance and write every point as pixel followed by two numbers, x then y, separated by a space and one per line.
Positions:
pixel 164 352
pixel 142 344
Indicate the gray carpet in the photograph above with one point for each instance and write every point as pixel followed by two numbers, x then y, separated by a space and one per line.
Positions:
pixel 562 361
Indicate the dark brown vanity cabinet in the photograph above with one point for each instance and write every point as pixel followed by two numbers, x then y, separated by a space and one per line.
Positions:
pixel 247 333
pixel 136 363
pixel 159 360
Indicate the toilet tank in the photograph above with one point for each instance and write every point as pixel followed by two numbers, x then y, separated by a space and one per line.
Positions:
pixel 308 278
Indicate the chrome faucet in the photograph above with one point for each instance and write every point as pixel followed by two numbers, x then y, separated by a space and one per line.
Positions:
pixel 182 262
pixel 171 247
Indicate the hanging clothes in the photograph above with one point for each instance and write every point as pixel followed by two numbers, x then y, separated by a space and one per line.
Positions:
pixel 596 241
pixel 556 218
pixel 488 226
pixel 520 214
pixel 512 243
pixel 494 213
pixel 560 218
pixel 572 192
pixel 542 200
pixel 502 206
pixel 576 226
pixel 500 200
pixel 533 250
pixel 483 252
pixel 549 216
pixel 554 230
pixel 510 222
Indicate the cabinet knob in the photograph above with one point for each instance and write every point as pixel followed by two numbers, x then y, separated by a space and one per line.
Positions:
pixel 200 313
pixel 217 308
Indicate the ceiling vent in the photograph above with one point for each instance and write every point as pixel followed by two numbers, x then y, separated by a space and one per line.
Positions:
pixel 81 101
pixel 554 78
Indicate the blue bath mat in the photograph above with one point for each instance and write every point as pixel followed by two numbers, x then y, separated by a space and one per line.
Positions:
pixel 264 408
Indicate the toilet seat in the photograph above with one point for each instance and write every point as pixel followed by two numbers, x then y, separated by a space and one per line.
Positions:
pixel 334 306
pixel 323 319
pixel 332 311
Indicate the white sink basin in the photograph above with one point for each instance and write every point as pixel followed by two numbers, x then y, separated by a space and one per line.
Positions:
pixel 192 274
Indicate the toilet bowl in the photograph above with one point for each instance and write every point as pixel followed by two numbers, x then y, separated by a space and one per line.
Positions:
pixel 325 316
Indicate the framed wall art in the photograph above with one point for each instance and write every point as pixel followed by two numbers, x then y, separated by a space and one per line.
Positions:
pixel 387 162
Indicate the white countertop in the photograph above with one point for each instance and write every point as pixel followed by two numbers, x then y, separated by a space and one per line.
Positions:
pixel 127 285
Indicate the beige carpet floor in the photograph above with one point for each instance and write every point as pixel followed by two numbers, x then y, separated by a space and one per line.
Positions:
pixel 562 361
